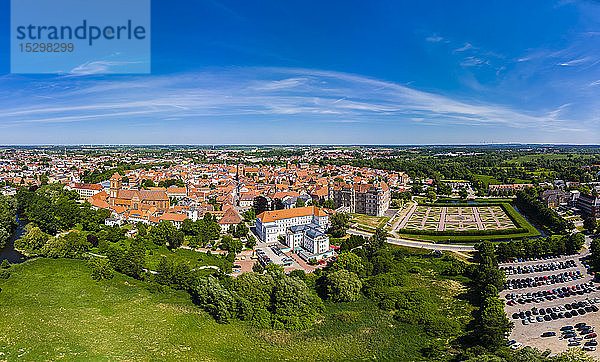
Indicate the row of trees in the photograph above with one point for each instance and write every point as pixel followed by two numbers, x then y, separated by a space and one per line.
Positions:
pixel 54 209
pixel 8 221
pixel 528 202
pixel 491 326
pixel 552 245
pixel 37 242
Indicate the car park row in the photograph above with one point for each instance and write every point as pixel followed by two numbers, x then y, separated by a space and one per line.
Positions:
pixel 557 312
pixel 531 282
pixel 527 269
pixel 525 260
pixel 547 295
pixel 586 332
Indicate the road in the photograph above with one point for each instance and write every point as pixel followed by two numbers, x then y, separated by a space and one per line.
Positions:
pixel 418 244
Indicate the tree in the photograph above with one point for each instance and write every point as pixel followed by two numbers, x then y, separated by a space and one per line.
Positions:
pixel 434 350
pixel 350 262
pixel 444 189
pixel 277 204
pixel 573 355
pixel 230 244
pixel 492 324
pixel 574 243
pixel 377 240
pixel 251 243
pixel 166 234
pixel 241 230
pixel 274 269
pixel 329 204
pixel 339 224
pixel 260 205
pixel 416 189
pixel 300 202
pixel 68 246
pixel 93 240
pixel 249 215
pixel 33 241
pixel 590 224
pixel 101 268
pixel 257 268
pixel 463 193
pixel 343 286
pixel 431 195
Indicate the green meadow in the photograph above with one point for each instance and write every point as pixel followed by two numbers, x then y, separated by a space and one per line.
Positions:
pixel 53 309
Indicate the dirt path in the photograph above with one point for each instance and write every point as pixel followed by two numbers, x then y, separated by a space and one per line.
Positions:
pixel 406 217
pixel 478 219
pixel 442 224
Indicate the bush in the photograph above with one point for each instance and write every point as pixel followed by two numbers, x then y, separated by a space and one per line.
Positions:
pixel 346 316
pixel 101 269
pixel 4 274
pixel 5 264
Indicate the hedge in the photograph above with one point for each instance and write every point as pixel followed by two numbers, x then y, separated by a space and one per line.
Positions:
pixel 464 232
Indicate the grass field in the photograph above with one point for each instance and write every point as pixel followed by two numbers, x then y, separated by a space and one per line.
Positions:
pixel 369 221
pixel 53 309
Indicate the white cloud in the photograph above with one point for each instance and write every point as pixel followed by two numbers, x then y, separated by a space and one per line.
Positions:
pixel 465 47
pixel 434 39
pixel 98 67
pixel 574 62
pixel 270 93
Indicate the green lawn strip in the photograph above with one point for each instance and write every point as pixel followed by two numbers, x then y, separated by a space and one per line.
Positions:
pixel 193 258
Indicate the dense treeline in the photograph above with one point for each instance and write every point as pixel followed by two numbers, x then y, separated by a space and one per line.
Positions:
pixel 266 300
pixel 8 221
pixel 550 219
pixel 552 245
pixel 491 326
pixel 388 278
pixel 54 209
pixel 201 231
pixel 595 255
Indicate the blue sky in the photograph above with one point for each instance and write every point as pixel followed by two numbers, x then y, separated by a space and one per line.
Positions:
pixel 310 72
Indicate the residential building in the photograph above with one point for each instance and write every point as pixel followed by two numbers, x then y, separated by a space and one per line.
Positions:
pixel 589 204
pixel 554 198
pixel 84 190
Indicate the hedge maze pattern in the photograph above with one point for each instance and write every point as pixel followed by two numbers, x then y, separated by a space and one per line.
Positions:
pixel 461 218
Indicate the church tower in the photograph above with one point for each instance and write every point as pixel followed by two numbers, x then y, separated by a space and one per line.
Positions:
pixel 115 186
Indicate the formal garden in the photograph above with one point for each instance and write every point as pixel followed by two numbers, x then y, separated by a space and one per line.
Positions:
pixel 465 222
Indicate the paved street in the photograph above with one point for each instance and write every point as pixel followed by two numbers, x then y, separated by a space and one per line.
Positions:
pixel 419 244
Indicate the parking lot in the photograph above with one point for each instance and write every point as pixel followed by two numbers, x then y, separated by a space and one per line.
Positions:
pixel 566 293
